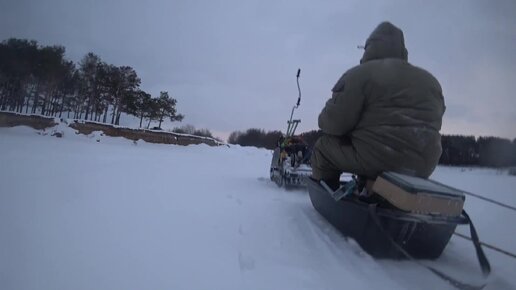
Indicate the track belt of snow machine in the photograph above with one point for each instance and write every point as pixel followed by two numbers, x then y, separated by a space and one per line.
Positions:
pixel 291 176
pixel 394 234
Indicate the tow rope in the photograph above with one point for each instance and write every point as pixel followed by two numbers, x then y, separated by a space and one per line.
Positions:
pixel 491 200
pixel 494 248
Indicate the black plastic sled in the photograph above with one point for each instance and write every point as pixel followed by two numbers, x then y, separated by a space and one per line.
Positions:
pixel 386 232
pixel 421 236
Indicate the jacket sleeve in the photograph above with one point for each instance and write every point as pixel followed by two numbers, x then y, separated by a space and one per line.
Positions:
pixel 342 111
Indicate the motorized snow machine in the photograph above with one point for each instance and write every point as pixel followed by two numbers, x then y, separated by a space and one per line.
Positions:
pixel 397 216
pixel 291 158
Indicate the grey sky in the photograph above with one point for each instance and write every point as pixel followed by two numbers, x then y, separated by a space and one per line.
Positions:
pixel 231 64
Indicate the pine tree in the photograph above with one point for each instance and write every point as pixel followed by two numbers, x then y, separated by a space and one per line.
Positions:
pixel 167 109
pixel 90 84
pixel 139 105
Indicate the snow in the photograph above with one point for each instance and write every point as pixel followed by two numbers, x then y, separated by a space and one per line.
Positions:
pixel 116 214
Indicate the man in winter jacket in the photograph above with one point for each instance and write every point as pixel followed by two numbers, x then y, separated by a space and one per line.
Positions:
pixel 384 115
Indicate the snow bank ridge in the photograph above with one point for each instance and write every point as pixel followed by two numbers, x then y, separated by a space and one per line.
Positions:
pixel 9 119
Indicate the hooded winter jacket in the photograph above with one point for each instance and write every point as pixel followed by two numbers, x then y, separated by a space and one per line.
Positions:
pixel 384 114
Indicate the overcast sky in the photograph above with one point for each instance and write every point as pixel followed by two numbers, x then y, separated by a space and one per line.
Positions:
pixel 231 64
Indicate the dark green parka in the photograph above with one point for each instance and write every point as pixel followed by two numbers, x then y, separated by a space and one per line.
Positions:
pixel 384 114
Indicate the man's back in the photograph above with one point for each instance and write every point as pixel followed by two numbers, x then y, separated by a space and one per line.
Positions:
pixel 386 113
pixel 401 118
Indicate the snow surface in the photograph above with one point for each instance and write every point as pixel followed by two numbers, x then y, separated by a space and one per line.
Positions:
pixel 95 212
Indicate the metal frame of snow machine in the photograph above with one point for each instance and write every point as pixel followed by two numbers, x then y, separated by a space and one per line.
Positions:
pixel 290 163
pixel 291 158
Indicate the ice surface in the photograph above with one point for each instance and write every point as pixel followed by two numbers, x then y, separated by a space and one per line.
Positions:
pixel 116 214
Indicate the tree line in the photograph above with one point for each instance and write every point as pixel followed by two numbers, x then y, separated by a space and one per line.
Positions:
pixel 40 80
pixel 191 130
pixel 482 151
pixel 255 137
pixel 458 150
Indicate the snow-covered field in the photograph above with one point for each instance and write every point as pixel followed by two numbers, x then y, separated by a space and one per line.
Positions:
pixel 80 214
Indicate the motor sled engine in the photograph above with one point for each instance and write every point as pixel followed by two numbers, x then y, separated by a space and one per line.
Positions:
pixel 290 162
